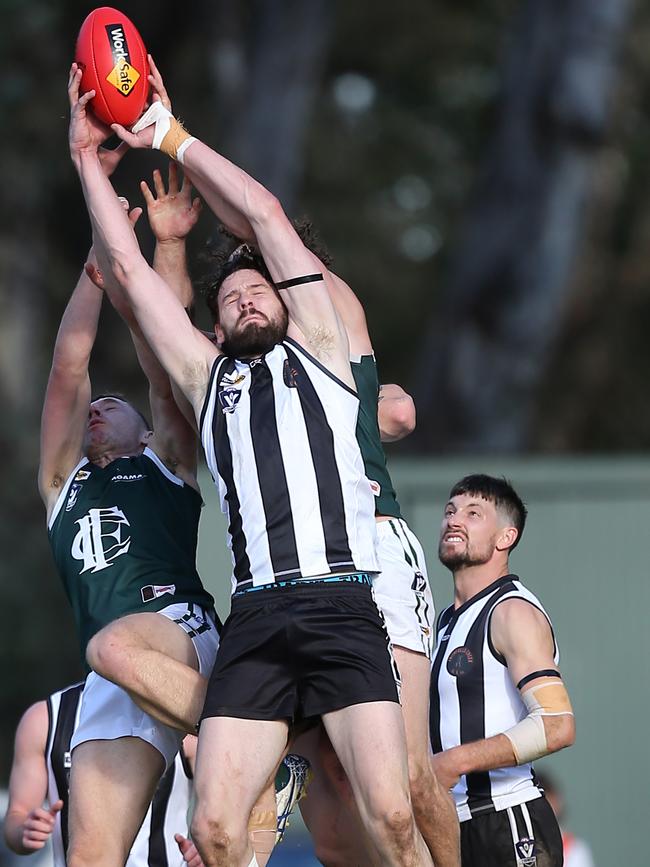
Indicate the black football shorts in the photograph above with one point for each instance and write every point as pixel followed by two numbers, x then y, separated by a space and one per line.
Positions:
pixel 526 835
pixel 300 651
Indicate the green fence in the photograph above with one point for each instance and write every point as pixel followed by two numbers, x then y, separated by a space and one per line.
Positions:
pixel 585 553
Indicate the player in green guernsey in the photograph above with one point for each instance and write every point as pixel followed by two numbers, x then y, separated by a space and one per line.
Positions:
pixel 122 508
pixel 387 414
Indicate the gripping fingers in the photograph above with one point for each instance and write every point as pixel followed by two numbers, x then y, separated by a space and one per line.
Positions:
pixel 156 81
pixel 85 99
pixel 74 80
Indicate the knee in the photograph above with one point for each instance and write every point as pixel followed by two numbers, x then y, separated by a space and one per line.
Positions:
pixel 104 653
pixel 397 826
pixel 421 781
pixel 215 838
pixel 91 852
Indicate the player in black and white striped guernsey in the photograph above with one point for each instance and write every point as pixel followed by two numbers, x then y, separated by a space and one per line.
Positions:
pixel 278 420
pixel 279 437
pixel 40 773
pixel 497 698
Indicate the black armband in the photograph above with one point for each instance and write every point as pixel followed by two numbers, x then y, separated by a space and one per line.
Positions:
pixel 545 672
pixel 296 281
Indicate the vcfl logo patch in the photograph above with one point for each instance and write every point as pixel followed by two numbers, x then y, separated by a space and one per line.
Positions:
pixel 526 856
pixel 229 398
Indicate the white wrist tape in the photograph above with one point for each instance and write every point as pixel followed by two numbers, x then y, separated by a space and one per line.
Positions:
pixel 170 136
pixel 528 737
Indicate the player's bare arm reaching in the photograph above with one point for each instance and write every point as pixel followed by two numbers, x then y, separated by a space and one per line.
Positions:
pixel 67 396
pixel 172 215
pixel 313 319
pixel 184 352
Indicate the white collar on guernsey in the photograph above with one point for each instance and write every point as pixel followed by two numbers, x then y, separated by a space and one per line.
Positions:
pixel 163 469
pixel 64 491
pixel 355 358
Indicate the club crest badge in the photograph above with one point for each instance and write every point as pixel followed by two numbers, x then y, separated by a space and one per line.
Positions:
pixel 460 661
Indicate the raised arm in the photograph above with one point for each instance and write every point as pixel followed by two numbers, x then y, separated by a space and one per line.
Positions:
pixel 28 824
pixel 172 215
pixel 183 351
pixel 67 397
pixel 522 635
pixel 314 321
pixel 313 318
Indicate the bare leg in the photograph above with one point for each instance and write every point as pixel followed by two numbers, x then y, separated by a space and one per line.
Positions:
pixel 154 660
pixel 433 807
pixel 370 743
pixel 111 786
pixel 329 810
pixel 236 758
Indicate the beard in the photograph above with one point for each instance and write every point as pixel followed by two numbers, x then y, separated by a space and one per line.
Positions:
pixel 468 557
pixel 255 338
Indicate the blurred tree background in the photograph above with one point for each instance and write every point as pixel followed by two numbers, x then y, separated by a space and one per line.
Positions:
pixel 479 171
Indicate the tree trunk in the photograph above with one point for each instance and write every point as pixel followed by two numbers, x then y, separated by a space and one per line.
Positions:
pixel 267 71
pixel 502 308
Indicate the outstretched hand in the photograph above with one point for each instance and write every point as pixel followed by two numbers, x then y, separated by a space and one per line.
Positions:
pixel 38 826
pixel 144 138
pixel 172 213
pixel 86 132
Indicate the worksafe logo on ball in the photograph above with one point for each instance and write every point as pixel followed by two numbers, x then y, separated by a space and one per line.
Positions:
pixel 123 76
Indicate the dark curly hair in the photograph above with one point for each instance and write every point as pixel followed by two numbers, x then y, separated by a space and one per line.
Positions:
pixel 497 491
pixel 226 258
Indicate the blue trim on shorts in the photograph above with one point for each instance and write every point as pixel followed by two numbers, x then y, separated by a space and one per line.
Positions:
pixel 354 578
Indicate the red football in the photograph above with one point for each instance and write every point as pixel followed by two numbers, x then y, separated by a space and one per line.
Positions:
pixel 112 56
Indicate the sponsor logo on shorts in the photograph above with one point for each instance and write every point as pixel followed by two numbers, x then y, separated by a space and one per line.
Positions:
pixel 229 398
pixel 153 591
pixel 460 661
pixel 128 477
pixel 526 854
pixel 123 76
pixel 82 475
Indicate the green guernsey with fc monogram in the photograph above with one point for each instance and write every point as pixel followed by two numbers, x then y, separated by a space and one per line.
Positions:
pixel 124 540
pixel 367 381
